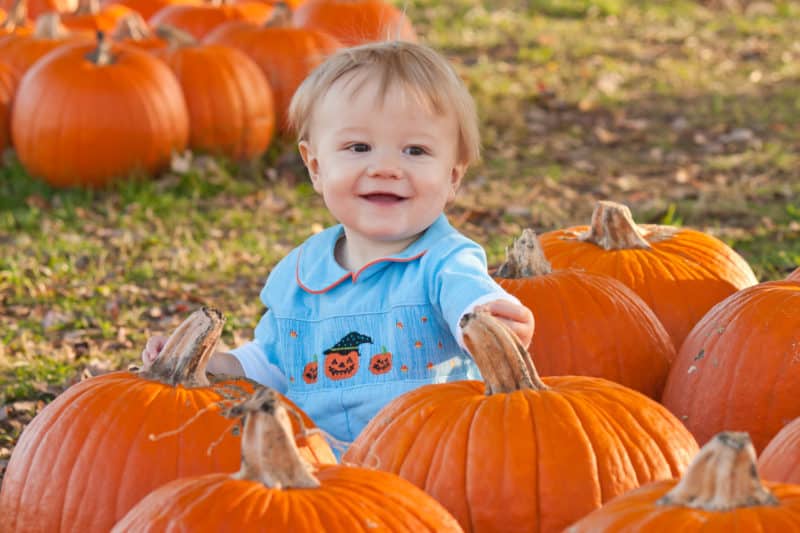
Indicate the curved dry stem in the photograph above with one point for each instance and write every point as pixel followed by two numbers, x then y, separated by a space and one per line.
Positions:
pixel 613 228
pixel 175 36
pixel 503 361
pixel 87 7
pixel 16 16
pixel 281 16
pixel 185 355
pixel 132 26
pixel 269 452
pixel 721 477
pixel 48 26
pixel 101 55
pixel 525 258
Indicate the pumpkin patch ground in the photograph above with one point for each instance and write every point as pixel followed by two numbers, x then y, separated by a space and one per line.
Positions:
pixel 683 111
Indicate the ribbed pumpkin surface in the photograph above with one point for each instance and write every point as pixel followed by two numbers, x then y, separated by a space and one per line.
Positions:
pixel 75 122
pixel 355 22
pixel 780 460
pixel 739 369
pixel 349 500
pixel 527 460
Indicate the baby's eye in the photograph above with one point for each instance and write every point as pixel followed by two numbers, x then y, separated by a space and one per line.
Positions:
pixel 359 147
pixel 415 150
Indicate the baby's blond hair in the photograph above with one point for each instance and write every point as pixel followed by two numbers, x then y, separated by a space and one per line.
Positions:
pixel 419 69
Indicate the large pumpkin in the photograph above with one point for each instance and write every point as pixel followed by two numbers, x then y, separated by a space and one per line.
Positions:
pixel 355 22
pixel 8 84
pixel 780 460
pixel 285 55
pixel 587 324
pixel 228 98
pixel 520 453
pixel 719 493
pixel 679 272
pixel 739 368
pixel 105 443
pixel 79 118
pixel 275 490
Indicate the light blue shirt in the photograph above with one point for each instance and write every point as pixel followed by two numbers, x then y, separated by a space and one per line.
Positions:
pixel 343 344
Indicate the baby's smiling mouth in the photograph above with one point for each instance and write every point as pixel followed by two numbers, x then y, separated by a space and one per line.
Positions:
pixel 382 197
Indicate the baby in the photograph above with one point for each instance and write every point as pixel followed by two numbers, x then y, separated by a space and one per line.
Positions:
pixel 369 309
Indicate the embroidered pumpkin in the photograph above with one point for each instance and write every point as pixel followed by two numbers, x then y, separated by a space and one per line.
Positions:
pixel 343 359
pixel 720 492
pixel 381 363
pixel 311 371
pixel 519 450
pixel 275 490
pixel 89 454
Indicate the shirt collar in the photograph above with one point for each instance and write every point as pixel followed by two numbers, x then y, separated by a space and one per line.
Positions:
pixel 317 271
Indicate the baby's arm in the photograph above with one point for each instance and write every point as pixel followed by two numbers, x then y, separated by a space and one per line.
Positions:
pixel 517 317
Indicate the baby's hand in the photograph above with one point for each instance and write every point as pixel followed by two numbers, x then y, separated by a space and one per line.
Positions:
pixel 518 318
pixel 153 348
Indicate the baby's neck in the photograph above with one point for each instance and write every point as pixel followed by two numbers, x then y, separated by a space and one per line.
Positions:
pixel 353 254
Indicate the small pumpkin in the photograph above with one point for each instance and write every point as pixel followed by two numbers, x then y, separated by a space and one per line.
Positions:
pixel 720 492
pixel 91 16
pixel 381 363
pixel 586 324
pixel 229 100
pixel 286 55
pixel 780 460
pixel 519 452
pixel 78 120
pixel 106 442
pixel 738 369
pixel 275 490
pixel 311 371
pixel 354 22
pixel 679 272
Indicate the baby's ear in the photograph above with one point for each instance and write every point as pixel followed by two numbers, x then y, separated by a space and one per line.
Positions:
pixel 310 160
pixel 456 174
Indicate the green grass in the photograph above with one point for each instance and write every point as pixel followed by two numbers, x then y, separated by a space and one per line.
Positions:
pixel 579 100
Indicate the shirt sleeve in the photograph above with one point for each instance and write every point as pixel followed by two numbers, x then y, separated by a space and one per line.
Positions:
pixel 463 282
pixel 258 357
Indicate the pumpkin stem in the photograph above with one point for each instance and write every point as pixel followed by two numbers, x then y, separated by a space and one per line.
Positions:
pixel 48 26
pixel 16 15
pixel 525 258
pixel 613 228
pixel 101 55
pixel 281 16
pixel 503 361
pixel 185 355
pixel 131 26
pixel 723 476
pixel 176 37
pixel 269 452
pixel 87 7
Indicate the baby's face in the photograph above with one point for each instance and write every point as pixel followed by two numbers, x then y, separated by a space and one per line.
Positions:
pixel 385 166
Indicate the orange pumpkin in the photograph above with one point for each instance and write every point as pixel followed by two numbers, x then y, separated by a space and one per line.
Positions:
pixel 680 273
pixel 200 20
pixel 105 443
pixel 90 16
pixel 133 30
pixel 228 97
pixel 36 8
pixel 794 276
pixel 78 120
pixel 8 84
pixel 780 460
pixel 519 452
pixel 720 492
pixel 355 22
pixel 738 368
pixel 587 324
pixel 275 490
pixel 285 55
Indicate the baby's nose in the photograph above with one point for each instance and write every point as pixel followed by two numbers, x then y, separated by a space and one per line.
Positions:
pixel 384 166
